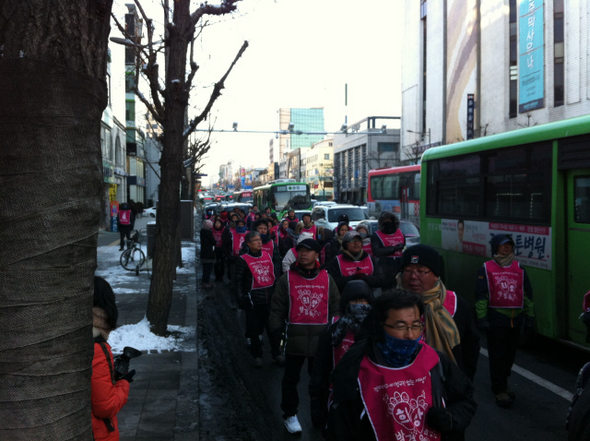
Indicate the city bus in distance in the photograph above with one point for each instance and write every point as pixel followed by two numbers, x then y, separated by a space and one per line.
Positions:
pixel 395 189
pixel 531 183
pixel 242 196
pixel 282 195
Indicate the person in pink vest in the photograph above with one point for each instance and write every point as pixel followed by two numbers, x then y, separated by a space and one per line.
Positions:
pixel 354 264
pixel 308 225
pixel 125 223
pixel 366 237
pixel 305 299
pixel 388 243
pixel 219 267
pixel 256 274
pixel 291 256
pixel 233 238
pixel 391 385
pixel 450 321
pixel 337 338
pixel 504 304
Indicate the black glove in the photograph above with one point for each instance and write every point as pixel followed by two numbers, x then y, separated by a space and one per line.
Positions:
pixel 245 303
pixel 483 324
pixel 398 247
pixel 319 410
pixel 440 418
pixel 359 276
pixel 129 376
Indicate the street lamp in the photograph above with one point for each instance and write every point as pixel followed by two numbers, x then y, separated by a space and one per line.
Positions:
pixel 421 134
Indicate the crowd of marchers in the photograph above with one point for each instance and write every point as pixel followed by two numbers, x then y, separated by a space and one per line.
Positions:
pixel 391 351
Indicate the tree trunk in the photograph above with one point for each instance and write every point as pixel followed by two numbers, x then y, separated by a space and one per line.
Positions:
pixel 176 101
pixel 52 93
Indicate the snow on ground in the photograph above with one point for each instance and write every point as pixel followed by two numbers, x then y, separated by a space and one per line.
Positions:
pixel 138 335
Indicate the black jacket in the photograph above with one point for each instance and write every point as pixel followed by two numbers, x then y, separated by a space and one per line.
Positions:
pixel 207 244
pixel 467 353
pixel 346 419
pixel 376 280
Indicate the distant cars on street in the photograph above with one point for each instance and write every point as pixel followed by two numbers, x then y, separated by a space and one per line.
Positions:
pixel 411 231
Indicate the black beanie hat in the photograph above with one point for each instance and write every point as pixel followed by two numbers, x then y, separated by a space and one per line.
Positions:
pixel 422 255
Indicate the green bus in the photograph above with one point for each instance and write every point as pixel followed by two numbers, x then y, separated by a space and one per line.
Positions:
pixel 532 183
pixel 282 195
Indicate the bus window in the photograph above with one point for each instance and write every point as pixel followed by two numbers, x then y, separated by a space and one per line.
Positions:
pixel 582 199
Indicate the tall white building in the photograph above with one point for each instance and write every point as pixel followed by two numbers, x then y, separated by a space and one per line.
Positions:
pixel 473 68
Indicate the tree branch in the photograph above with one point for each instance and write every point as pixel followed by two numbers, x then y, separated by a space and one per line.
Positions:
pixel 219 86
pixel 207 9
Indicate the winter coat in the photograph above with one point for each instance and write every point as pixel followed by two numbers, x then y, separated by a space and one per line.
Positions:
pixel 106 398
pixel 466 353
pixel 347 419
pixel 301 340
pixel 376 280
pixel 207 246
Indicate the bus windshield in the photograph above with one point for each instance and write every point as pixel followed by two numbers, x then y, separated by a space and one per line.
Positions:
pixel 294 197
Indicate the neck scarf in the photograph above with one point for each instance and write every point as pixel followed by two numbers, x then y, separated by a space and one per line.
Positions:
pixel 504 259
pixel 353 257
pixel 352 319
pixel 440 331
pixel 396 351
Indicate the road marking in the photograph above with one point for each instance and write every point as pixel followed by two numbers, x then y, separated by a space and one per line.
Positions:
pixel 536 379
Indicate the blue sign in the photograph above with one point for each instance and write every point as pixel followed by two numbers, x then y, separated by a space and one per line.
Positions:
pixel 470 112
pixel 531 63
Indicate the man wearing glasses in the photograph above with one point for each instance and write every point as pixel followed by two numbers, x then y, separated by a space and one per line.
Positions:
pixel 391 385
pixel 450 325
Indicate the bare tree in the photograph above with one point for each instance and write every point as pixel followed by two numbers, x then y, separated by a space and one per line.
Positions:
pixel 168 106
pixel 53 58
pixel 414 153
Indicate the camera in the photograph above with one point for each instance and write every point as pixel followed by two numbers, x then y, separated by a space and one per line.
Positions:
pixel 122 361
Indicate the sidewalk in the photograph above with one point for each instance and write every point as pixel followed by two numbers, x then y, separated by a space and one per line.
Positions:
pixel 163 400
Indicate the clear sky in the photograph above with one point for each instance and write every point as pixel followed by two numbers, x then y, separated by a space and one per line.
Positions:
pixel 301 54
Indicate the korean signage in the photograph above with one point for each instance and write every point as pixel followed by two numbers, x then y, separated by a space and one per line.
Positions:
pixel 291 188
pixel 531 63
pixel 470 111
pixel 532 243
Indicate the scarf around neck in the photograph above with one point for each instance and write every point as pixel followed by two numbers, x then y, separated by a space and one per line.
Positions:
pixel 504 259
pixel 440 329
pixel 353 257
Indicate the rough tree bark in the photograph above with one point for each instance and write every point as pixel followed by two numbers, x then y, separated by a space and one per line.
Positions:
pixel 52 92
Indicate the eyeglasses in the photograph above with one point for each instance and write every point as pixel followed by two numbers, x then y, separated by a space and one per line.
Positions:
pixel 401 328
pixel 418 273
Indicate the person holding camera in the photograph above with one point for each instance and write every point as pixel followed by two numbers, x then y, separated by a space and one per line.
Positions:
pixel 109 386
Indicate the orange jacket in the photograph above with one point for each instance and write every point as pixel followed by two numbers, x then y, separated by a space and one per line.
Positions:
pixel 107 398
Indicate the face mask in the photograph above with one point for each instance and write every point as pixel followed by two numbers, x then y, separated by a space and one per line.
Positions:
pixel 358 311
pixel 389 228
pixel 363 235
pixel 241 229
pixel 398 352
pixel 263 237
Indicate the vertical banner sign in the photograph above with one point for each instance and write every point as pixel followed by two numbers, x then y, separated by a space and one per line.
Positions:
pixel 470 110
pixel 531 63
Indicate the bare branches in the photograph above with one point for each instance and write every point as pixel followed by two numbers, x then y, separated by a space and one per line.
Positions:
pixel 226 7
pixel 219 86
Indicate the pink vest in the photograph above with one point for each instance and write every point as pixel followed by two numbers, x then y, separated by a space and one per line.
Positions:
pixel 339 351
pixel 505 285
pixel 125 217
pixel 217 235
pixel 313 230
pixel 263 273
pixel 236 241
pixel 348 267
pixel 397 399
pixel 450 303
pixel 269 247
pixel 309 298
pixel 391 240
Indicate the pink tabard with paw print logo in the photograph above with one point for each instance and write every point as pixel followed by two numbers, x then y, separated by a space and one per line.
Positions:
pixel 397 399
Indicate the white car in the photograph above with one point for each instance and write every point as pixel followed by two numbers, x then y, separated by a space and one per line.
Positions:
pixel 150 212
pixel 327 215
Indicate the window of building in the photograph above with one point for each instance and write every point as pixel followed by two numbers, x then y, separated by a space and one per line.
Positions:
pixel 558 56
pixel 383 147
pixel 326 156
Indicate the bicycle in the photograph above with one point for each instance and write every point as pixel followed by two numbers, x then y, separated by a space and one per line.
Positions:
pixel 133 258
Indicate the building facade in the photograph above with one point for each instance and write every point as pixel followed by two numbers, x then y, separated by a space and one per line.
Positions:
pixel 478 67
pixel 319 169
pixel 366 145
